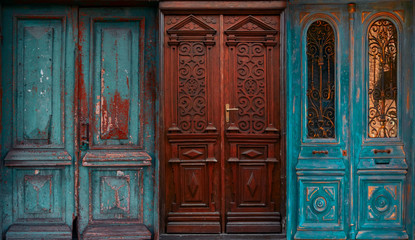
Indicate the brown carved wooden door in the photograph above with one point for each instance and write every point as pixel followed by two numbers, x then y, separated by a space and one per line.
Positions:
pixel 222 164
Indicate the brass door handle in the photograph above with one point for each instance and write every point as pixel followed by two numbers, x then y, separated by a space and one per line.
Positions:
pixel 376 151
pixel 228 109
pixel 320 152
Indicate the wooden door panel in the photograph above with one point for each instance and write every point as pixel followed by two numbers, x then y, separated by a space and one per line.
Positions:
pixel 252 172
pixel 192 168
pixel 117 51
pixel 39 85
pixel 116 120
pixel 38 119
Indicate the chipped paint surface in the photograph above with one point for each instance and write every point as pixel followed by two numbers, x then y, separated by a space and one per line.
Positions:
pixel 360 183
pixel 38 68
pixel 117 100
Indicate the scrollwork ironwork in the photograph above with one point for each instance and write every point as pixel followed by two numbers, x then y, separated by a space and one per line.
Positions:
pixel 383 114
pixel 320 79
pixel 192 87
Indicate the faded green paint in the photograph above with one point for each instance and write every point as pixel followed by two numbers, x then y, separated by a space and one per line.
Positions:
pixel 37 137
pixel 117 99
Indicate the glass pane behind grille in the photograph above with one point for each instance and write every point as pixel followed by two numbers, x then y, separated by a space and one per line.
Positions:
pixel 383 115
pixel 321 81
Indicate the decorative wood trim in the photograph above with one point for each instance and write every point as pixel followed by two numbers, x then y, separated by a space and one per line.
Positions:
pixel 364 15
pixel 37 157
pixel 303 15
pixel 116 158
pixel 222 5
pixel 401 14
pixel 259 32
pixel 201 32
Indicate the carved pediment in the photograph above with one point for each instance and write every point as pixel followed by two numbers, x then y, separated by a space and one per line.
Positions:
pixel 193 29
pixel 251 25
pixel 251 29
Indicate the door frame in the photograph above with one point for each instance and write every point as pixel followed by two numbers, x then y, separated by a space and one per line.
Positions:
pixel 222 7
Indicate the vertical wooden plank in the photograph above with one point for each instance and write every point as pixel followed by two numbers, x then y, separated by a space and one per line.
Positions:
pixel 1 123
pixel 352 210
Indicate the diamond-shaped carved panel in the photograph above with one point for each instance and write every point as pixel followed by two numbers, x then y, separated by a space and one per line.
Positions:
pixel 192 153
pixel 197 152
pixel 253 184
pixel 252 152
pixel 193 184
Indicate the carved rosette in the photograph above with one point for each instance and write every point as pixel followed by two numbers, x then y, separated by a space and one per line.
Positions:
pixel 320 203
pixel 382 203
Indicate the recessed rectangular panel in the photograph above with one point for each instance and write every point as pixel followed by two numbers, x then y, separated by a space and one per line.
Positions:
pixel 252 185
pixel 320 203
pixel 38 82
pixel 252 152
pixel 193 185
pixel 192 152
pixel 38 194
pixel 116 82
pixel 116 194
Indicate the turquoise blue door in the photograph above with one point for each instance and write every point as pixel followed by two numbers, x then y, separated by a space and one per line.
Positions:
pixel 117 79
pixel 349 120
pixel 37 134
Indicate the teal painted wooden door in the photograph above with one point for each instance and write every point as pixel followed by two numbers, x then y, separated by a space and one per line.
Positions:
pixel 78 122
pixel 349 120
pixel 116 122
pixel 37 135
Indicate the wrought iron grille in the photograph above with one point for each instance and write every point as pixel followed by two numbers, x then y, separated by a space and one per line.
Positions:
pixel 321 83
pixel 383 114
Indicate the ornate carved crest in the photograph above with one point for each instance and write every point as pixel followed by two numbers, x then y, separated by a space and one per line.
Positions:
pixel 191 29
pixel 253 30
